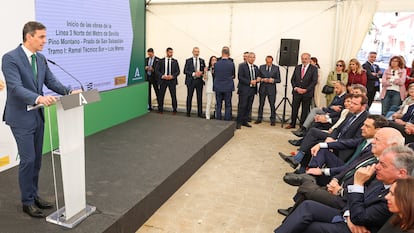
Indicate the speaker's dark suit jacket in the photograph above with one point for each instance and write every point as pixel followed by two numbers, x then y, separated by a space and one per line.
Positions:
pixel 367 209
pixel 27 126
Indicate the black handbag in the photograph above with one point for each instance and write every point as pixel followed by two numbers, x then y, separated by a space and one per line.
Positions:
pixel 327 89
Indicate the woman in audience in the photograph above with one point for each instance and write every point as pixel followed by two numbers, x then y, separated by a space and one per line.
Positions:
pixel 316 102
pixel 338 74
pixel 393 84
pixel 208 78
pixel 404 106
pixel 356 75
pixel 400 200
pixel 410 75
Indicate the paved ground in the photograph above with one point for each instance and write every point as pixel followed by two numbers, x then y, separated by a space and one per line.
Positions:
pixel 238 190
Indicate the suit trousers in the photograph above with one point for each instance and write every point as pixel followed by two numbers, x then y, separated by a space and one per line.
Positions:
pixel 300 101
pixel 312 217
pixel 29 145
pixel 171 84
pixel 311 117
pixel 244 107
pixel 152 82
pixel 310 190
pixel 226 97
pixel 325 157
pixel 196 85
pixel 272 100
pixel 312 137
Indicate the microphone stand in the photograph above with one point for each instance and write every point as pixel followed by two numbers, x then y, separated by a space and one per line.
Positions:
pixel 70 75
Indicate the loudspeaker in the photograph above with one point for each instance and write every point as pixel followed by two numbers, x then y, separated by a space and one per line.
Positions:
pixel 289 51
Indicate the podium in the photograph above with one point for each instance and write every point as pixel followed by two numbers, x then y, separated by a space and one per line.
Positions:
pixel 70 118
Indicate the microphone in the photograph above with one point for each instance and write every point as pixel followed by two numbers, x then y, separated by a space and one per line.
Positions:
pixel 77 80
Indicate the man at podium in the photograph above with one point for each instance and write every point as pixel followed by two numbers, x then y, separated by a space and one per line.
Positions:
pixel 25 71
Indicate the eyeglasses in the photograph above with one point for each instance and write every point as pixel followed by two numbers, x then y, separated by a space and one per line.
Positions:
pixel 340 65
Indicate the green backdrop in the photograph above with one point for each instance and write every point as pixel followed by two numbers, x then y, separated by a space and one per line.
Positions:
pixel 118 105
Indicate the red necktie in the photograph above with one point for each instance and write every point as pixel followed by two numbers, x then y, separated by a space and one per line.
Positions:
pixel 303 72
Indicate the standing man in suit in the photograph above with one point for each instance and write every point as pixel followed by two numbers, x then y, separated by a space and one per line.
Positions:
pixel 25 71
pixel 374 73
pixel 249 77
pixel 270 76
pixel 223 83
pixel 167 71
pixel 366 209
pixel 151 62
pixel 304 80
pixel 194 71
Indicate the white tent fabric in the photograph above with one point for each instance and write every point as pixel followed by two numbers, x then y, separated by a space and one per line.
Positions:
pixel 354 20
pixel 329 30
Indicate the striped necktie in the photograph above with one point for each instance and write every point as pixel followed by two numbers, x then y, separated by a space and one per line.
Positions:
pixel 351 173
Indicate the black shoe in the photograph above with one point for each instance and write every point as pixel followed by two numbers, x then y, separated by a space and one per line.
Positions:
pixel 272 123
pixel 42 204
pixel 249 120
pixel 289 159
pixel 298 133
pixel 298 179
pixel 188 114
pixel 294 142
pixel 238 126
pixel 33 211
pixel 285 212
pixel 258 122
pixel 201 116
pixel 247 125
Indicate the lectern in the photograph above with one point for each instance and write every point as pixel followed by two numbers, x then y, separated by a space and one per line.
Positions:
pixel 70 121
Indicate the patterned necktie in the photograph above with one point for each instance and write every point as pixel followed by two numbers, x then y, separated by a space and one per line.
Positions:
pixel 34 67
pixel 347 125
pixel 357 152
pixel 252 73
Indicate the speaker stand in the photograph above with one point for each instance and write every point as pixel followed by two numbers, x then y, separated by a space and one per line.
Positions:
pixel 284 101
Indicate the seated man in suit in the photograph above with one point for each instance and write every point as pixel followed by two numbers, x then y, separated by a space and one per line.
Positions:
pixel 350 128
pixel 333 110
pixel 334 194
pixel 366 209
pixel 405 124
